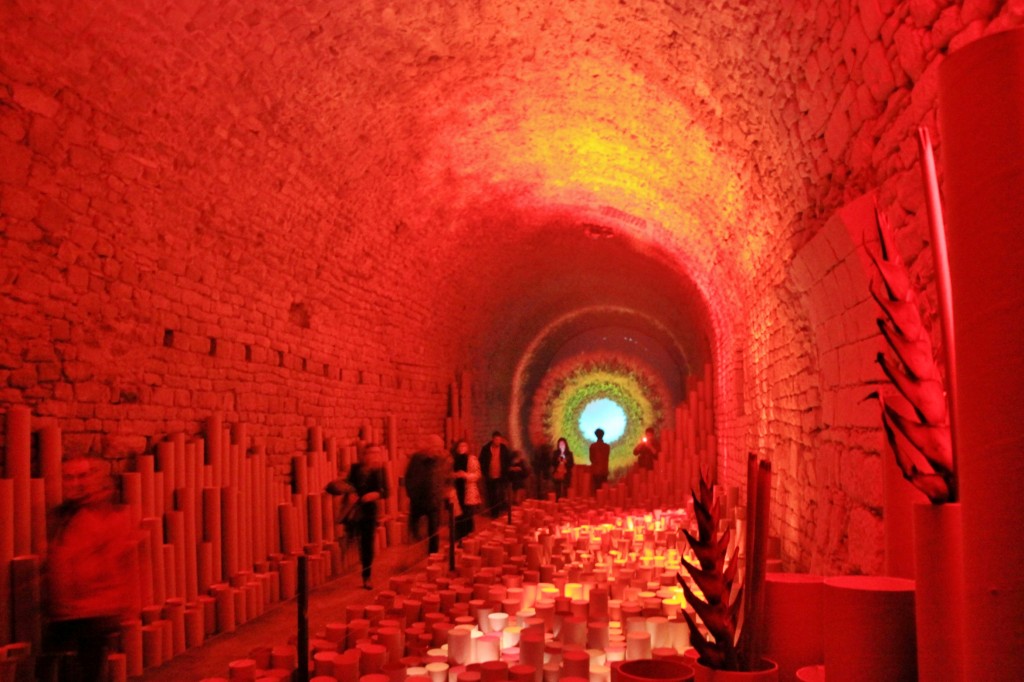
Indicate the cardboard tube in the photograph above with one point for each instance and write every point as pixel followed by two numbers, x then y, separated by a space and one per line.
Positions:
pixel 174 611
pixel 145 464
pixel 51 453
pixel 939 603
pixel 152 645
pixel 131 642
pixel 175 521
pixel 170 566
pixel 159 504
pixel 212 529
pixel 793 621
pixel 153 526
pixel 37 498
pixel 229 530
pixel 165 464
pixel 869 632
pixel 214 438
pixel 225 604
pixel 195 626
pixel 131 486
pixel 144 560
pixel 981 97
pixel 27 602
pixel 190 558
pixel 19 468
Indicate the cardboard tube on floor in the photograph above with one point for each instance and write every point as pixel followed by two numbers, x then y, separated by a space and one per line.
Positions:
pixel 18 465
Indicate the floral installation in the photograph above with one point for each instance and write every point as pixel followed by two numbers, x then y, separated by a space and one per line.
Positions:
pixel 573 384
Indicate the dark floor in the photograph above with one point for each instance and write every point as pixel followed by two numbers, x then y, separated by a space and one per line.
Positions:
pixel 326 604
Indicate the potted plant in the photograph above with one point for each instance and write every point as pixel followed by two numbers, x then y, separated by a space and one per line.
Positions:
pixel 727 638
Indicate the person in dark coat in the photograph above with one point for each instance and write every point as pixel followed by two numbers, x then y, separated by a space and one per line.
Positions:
pixel 428 482
pixel 364 486
pixel 495 460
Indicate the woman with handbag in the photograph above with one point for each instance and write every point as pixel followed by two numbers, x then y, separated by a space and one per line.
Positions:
pixel 364 486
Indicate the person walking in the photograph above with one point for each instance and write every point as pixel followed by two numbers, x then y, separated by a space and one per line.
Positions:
pixel 90 573
pixel 364 486
pixel 428 483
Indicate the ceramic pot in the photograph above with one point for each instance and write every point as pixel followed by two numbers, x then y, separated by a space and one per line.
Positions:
pixel 645 670
pixel 770 673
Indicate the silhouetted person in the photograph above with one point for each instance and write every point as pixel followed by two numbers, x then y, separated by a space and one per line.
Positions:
pixel 467 474
pixel 518 472
pixel 364 486
pixel 428 482
pixel 90 572
pixel 495 459
pixel 599 453
pixel 647 450
pixel 562 463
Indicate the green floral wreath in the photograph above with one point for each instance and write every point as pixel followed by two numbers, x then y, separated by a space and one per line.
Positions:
pixel 573 384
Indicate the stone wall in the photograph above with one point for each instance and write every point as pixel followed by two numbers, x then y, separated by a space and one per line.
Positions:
pixel 140 295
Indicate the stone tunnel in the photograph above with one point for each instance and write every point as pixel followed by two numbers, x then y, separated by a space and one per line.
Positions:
pixel 343 213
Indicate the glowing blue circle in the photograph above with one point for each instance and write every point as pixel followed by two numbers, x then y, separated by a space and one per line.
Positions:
pixel 604 414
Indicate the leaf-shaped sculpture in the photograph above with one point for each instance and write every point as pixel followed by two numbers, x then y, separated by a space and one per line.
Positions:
pixel 914 374
pixel 714 576
pixel 930 444
pixel 719 605
pixel 924 395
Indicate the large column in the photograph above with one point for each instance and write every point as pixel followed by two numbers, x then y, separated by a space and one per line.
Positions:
pixel 981 107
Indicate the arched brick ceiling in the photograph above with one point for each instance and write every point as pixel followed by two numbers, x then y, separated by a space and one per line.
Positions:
pixel 419 143
pixel 429 111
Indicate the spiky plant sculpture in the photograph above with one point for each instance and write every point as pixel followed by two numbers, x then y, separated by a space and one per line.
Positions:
pixel 736 642
pixel 919 435
pixel 714 577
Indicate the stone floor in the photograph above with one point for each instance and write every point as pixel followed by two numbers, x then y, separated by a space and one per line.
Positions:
pixel 279 624
pixel 276 626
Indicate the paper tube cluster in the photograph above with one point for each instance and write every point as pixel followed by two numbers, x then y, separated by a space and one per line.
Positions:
pixel 221 532
pixel 564 592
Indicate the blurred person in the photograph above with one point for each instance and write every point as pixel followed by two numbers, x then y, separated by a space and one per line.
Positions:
pixel 599 453
pixel 518 472
pixel 647 450
pixel 494 462
pixel 428 480
pixel 363 487
pixel 467 473
pixel 90 573
pixel 562 462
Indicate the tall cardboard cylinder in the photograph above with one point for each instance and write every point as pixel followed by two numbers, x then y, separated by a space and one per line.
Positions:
pixel 153 526
pixel 50 453
pixel 793 621
pixel 37 498
pixel 26 608
pixel 981 105
pixel 215 446
pixel 18 466
pixel 869 632
pixel 131 642
pixel 938 548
